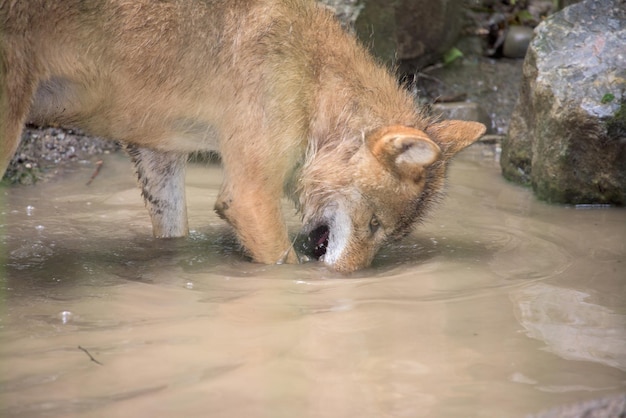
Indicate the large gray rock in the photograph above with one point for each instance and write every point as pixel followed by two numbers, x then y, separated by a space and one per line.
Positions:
pixel 416 32
pixel 567 136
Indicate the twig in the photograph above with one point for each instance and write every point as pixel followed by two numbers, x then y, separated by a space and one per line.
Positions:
pixel 96 171
pixel 90 356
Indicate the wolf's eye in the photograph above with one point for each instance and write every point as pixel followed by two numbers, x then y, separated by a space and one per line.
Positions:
pixel 374 224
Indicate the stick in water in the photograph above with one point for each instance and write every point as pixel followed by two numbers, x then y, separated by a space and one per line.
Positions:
pixel 96 171
pixel 90 356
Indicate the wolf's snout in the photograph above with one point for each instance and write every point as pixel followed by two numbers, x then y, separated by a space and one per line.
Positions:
pixel 315 243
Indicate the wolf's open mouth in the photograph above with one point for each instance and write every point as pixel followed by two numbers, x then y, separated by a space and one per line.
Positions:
pixel 316 243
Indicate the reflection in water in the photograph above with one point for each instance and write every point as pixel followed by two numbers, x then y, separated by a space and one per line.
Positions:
pixel 570 326
pixel 498 306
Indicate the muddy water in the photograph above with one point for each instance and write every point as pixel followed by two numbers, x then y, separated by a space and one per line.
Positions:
pixel 499 305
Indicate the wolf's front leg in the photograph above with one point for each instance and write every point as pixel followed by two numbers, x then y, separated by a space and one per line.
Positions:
pixel 162 180
pixel 254 211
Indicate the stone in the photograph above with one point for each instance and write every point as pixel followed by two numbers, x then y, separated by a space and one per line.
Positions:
pixel 427 29
pixel 346 10
pixel 377 27
pixel 565 3
pixel 567 136
pixel 42 149
pixel 516 41
pixel 463 111
pixel 414 33
pixel 608 407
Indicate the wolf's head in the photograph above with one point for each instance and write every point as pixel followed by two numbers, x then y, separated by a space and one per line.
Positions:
pixel 354 202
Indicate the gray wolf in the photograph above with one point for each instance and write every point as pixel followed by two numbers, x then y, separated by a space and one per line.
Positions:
pixel 294 105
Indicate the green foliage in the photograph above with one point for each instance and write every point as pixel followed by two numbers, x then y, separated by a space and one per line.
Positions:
pixel 616 126
pixel 524 16
pixel 452 55
pixel 607 98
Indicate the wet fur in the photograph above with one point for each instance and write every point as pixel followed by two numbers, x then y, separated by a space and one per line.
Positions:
pixel 289 99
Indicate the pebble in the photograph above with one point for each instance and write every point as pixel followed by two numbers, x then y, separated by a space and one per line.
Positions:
pixel 516 41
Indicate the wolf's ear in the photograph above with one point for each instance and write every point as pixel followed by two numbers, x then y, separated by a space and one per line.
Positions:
pixel 454 135
pixel 403 150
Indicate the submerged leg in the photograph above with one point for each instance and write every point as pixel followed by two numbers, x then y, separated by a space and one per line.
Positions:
pixel 255 214
pixel 162 180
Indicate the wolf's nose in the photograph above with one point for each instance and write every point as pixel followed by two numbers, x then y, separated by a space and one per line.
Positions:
pixel 315 243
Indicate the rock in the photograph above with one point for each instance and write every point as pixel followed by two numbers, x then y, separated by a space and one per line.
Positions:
pixel 491 82
pixel 377 27
pixel 565 3
pixel 516 41
pixel 427 29
pixel 44 148
pixel 609 407
pixel 567 137
pixel 415 32
pixel 463 111
pixel 346 10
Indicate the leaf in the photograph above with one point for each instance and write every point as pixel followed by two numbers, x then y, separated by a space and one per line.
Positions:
pixel 607 98
pixel 524 16
pixel 452 55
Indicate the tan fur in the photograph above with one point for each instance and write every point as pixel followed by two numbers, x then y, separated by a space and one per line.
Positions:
pixel 291 102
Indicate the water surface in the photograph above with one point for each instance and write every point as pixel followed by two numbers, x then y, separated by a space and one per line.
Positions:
pixel 498 305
